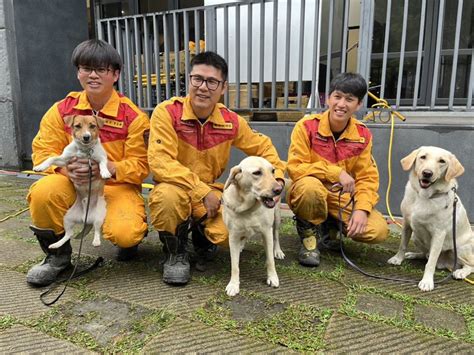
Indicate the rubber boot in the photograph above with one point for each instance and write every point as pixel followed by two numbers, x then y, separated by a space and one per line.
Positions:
pixel 309 234
pixel 204 249
pixel 57 260
pixel 176 269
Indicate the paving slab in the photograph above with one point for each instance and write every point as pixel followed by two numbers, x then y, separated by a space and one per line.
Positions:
pixel 350 335
pixel 16 252
pixel 145 287
pixel 21 300
pixel 186 336
pixel 20 339
pixel 318 292
pixel 438 318
pixel 452 291
pixel 382 306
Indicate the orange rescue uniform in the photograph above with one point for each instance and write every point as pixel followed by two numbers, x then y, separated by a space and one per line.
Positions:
pixel 186 158
pixel 124 137
pixel 315 161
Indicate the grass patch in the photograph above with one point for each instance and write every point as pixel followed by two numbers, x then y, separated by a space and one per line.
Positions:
pixel 298 327
pixel 7 322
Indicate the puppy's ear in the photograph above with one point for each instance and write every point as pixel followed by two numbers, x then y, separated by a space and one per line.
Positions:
pixel 233 176
pixel 100 121
pixel 454 168
pixel 69 120
pixel 408 161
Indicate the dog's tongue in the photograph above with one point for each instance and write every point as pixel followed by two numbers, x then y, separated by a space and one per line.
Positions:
pixel 269 202
pixel 424 183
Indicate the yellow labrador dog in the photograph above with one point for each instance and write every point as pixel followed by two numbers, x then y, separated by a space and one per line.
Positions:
pixel 427 209
pixel 250 209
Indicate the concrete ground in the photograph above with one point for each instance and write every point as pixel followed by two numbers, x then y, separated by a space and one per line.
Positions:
pixel 125 307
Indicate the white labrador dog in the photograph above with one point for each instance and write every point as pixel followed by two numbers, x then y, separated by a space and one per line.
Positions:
pixel 249 210
pixel 427 209
pixel 85 143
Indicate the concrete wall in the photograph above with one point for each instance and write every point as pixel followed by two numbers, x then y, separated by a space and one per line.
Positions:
pixel 38 37
pixel 407 136
pixel 9 157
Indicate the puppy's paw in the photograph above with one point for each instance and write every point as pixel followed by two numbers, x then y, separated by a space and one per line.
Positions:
pixel 395 260
pixel 40 167
pixel 461 273
pixel 55 245
pixel 105 174
pixel 273 281
pixel 96 242
pixel 232 289
pixel 426 284
pixel 279 254
pixel 411 255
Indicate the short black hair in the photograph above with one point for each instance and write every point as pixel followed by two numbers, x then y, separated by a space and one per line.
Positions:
pixel 213 59
pixel 349 83
pixel 96 53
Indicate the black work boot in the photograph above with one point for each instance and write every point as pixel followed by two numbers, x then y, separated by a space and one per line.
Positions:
pixel 176 269
pixel 56 260
pixel 309 234
pixel 330 231
pixel 127 254
pixel 204 249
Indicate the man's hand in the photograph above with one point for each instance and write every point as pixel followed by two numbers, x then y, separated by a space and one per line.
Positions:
pixel 357 223
pixel 347 182
pixel 78 170
pixel 212 204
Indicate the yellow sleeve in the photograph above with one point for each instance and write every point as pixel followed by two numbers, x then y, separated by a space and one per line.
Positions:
pixel 133 167
pixel 163 157
pixel 300 162
pixel 252 142
pixel 51 138
pixel 366 178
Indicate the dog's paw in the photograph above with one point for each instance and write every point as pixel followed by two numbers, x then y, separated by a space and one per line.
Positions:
pixel 273 281
pixel 461 273
pixel 232 289
pixel 55 245
pixel 395 260
pixel 105 174
pixel 96 243
pixel 40 167
pixel 426 284
pixel 411 255
pixel 279 254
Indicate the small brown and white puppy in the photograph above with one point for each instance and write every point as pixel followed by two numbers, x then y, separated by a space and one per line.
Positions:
pixel 249 210
pixel 85 144
pixel 427 209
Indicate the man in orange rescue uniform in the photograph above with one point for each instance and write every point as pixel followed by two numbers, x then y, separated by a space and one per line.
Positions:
pixel 123 137
pixel 328 149
pixel 190 143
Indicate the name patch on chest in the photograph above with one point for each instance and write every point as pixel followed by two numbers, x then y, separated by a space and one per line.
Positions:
pixel 113 123
pixel 227 125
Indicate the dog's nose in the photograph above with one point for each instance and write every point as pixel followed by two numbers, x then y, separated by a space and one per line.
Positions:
pixel 277 189
pixel 427 174
pixel 86 138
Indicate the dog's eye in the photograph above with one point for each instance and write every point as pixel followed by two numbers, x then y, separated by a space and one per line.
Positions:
pixel 92 126
pixel 442 161
pixel 77 126
pixel 273 171
pixel 423 157
pixel 257 173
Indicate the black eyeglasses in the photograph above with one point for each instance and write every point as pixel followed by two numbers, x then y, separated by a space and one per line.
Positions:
pixel 211 83
pixel 98 71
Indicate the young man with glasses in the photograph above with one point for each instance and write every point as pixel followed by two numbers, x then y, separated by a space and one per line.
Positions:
pixel 190 144
pixel 124 137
